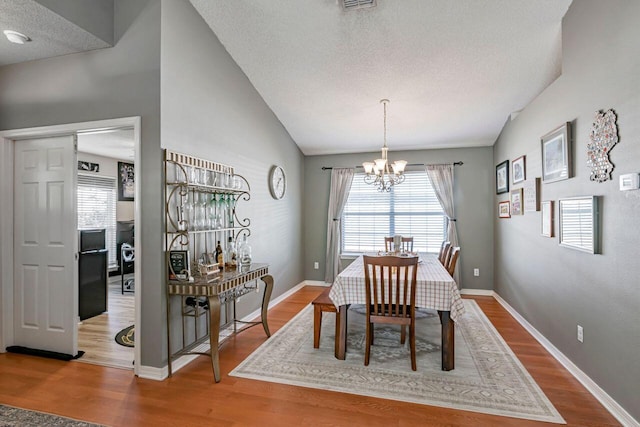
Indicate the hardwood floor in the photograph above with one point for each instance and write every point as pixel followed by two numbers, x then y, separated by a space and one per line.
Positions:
pixel 96 335
pixel 191 398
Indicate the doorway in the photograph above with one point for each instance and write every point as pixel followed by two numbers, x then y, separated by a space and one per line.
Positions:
pixel 106 159
pixel 8 142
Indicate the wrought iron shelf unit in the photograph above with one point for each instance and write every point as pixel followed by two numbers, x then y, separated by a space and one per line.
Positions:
pixel 201 200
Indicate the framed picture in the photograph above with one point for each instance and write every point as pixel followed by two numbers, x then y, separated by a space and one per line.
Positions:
pixel 579 220
pixel 556 154
pixel 502 177
pixel 126 182
pixel 516 202
pixel 88 166
pixel 547 218
pixel 518 172
pixel 531 189
pixel 504 210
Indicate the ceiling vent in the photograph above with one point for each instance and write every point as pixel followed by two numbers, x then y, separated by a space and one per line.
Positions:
pixel 357 4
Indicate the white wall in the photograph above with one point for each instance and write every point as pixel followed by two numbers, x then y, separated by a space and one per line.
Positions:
pixel 556 288
pixel 109 168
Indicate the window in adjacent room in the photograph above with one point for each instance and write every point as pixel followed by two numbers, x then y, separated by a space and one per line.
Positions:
pixel 409 209
pixel 97 208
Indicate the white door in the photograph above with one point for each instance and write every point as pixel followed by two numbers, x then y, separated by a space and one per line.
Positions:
pixel 45 244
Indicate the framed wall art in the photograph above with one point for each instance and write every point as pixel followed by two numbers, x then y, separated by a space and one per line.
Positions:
pixel 531 189
pixel 516 202
pixel 518 172
pixel 502 177
pixel 556 154
pixel 547 218
pixel 504 210
pixel 88 166
pixel 126 182
pixel 579 220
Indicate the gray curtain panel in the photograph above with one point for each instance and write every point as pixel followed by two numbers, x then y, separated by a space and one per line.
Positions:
pixel 341 179
pixel 441 177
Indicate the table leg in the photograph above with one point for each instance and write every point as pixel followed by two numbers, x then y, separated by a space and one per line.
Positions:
pixel 214 334
pixel 266 297
pixel 448 341
pixel 341 332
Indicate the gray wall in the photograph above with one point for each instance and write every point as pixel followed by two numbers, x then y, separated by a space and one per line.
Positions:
pixel 104 84
pixel 211 110
pixel 473 197
pixel 556 288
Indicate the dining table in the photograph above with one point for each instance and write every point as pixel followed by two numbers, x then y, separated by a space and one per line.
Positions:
pixel 435 289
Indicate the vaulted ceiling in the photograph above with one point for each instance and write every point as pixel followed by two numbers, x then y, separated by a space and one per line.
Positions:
pixel 454 71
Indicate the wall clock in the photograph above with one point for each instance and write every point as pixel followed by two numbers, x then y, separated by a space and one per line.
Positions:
pixel 277 182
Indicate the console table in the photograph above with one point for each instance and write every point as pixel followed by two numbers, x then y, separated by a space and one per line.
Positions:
pixel 231 285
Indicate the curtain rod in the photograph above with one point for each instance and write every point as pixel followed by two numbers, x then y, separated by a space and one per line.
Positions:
pixel 324 168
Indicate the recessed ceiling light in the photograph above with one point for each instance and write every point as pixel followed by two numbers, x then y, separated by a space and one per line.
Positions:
pixel 16 37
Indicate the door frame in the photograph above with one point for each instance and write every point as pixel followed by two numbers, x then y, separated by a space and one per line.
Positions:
pixel 7 140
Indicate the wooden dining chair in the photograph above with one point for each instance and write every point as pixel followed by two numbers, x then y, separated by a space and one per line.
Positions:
pixel 453 259
pixel 407 244
pixel 444 253
pixel 390 286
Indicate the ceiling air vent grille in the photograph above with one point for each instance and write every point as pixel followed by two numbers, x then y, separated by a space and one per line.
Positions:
pixel 357 4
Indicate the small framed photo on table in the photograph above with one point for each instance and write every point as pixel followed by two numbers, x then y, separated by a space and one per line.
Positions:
pixel 502 177
pixel 556 154
pixel 504 209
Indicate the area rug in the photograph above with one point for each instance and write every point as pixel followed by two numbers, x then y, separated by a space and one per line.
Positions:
pixel 10 417
pixel 487 378
pixel 126 337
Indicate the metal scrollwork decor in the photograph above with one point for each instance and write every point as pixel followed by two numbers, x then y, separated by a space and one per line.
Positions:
pixel 604 135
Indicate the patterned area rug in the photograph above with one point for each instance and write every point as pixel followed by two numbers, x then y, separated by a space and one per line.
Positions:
pixel 487 378
pixel 10 416
pixel 126 337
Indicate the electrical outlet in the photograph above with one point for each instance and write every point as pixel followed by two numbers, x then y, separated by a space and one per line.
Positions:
pixel 580 334
pixel 316 265
pixel 476 272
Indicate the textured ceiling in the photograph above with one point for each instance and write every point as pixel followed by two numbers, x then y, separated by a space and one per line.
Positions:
pixel 51 34
pixel 114 143
pixel 453 70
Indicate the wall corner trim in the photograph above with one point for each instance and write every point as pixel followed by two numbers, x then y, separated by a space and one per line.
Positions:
pixel 611 405
pixel 151 373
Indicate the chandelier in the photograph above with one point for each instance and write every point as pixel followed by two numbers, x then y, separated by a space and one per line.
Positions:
pixel 378 172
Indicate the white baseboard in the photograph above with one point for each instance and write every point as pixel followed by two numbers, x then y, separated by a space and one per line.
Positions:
pixel 151 373
pixel 316 283
pixel 611 405
pixel 478 292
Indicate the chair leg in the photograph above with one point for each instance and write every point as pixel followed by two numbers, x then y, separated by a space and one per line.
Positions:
pixel 412 343
pixel 317 325
pixel 403 334
pixel 367 351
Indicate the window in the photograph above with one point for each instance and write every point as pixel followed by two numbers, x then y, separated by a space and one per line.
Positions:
pixel 97 208
pixel 409 209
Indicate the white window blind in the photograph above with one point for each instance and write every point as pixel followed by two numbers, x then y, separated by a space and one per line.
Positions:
pixel 97 208
pixel 410 209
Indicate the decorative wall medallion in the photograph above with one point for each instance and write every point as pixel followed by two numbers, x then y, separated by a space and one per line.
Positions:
pixel 604 135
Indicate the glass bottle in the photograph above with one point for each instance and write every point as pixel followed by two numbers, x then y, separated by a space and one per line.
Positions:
pixel 244 252
pixel 231 253
pixel 219 256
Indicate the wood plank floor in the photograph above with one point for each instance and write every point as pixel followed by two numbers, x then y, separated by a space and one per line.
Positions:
pixel 190 398
pixel 96 335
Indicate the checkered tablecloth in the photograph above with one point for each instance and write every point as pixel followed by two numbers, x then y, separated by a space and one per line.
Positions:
pixel 435 288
